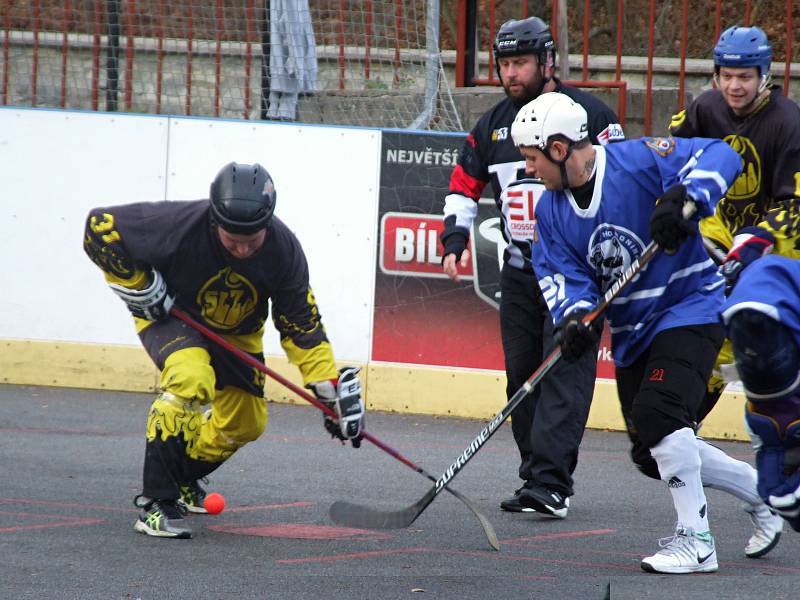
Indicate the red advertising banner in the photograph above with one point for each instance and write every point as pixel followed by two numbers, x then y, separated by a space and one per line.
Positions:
pixel 421 317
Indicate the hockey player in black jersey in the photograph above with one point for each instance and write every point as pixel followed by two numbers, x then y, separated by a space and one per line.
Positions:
pixel 224 261
pixel 548 426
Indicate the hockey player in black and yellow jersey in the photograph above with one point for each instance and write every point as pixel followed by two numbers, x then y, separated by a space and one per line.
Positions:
pixel 760 123
pixel 223 261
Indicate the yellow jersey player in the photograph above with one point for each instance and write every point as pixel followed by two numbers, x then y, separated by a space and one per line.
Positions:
pixel 224 261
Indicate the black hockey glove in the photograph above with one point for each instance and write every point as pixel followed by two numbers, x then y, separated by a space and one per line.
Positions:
pixel 152 303
pixel 343 396
pixel 749 244
pixel 668 227
pixel 575 338
pixel 454 243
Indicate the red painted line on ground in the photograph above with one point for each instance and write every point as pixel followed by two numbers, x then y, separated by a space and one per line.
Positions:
pixel 269 506
pixel 301 531
pixel 66 504
pixel 51 430
pixel 133 509
pixel 546 537
pixel 350 556
pixel 68 523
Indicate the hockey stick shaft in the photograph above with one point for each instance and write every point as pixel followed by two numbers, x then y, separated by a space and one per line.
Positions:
pixel 357 515
pixel 547 364
pixel 260 366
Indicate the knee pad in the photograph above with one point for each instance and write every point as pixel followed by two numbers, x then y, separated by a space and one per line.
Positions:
pixel 767 356
pixel 676 452
pixel 188 373
pixel 173 416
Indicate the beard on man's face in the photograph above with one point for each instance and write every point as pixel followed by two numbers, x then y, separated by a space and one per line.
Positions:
pixel 523 94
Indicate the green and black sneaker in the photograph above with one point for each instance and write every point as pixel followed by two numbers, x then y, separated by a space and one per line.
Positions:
pixel 160 518
pixel 193 498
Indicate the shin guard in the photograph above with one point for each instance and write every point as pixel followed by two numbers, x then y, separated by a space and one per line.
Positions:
pixel 678 460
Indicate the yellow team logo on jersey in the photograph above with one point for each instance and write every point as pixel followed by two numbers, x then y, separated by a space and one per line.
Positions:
pixel 748 183
pixel 677 120
pixel 227 299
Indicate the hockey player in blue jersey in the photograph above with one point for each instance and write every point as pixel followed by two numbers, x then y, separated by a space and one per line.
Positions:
pixel 601 208
pixel 762 320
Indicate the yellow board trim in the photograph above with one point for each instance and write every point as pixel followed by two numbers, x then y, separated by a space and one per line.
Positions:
pixel 389 387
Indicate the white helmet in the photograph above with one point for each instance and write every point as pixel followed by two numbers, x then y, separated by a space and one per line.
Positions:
pixel 547 115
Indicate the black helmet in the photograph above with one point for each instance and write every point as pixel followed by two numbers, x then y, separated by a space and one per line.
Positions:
pixel 242 198
pixel 528 36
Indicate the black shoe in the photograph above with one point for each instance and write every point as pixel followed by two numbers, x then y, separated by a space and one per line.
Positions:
pixel 160 518
pixel 544 501
pixel 513 505
pixel 193 498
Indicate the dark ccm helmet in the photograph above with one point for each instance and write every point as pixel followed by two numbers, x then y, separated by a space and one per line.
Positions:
pixel 242 198
pixel 528 36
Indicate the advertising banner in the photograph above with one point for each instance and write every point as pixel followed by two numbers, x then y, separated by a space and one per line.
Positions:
pixel 420 316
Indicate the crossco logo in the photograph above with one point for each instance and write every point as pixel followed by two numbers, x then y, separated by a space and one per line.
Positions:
pixel 227 299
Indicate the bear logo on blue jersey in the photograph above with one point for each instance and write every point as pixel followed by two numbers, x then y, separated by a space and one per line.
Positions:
pixel 612 249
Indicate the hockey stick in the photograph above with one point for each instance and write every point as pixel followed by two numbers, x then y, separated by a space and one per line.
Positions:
pixel 717 255
pixel 256 364
pixel 356 515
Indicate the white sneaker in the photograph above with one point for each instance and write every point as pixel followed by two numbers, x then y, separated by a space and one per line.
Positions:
pixel 684 552
pixel 768 527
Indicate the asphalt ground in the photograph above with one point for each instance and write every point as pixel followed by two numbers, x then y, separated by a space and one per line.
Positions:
pixel 71 464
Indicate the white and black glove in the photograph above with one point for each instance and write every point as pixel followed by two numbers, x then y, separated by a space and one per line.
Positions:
pixel 343 396
pixel 152 303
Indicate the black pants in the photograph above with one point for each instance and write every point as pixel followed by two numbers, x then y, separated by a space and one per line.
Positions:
pixel 548 425
pixel 664 389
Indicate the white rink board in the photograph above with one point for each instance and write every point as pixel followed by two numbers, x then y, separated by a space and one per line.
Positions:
pixel 56 165
pixel 327 184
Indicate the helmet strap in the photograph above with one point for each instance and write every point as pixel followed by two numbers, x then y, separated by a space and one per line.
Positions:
pixel 766 80
pixel 562 164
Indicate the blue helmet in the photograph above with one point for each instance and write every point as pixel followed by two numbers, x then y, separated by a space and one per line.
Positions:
pixel 744 47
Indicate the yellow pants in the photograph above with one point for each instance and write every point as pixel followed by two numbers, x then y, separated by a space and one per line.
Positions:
pixel 236 417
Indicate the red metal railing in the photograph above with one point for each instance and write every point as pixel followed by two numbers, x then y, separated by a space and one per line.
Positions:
pixel 490 14
pixel 492 8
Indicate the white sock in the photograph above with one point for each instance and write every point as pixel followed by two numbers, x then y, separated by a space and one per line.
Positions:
pixel 678 459
pixel 721 472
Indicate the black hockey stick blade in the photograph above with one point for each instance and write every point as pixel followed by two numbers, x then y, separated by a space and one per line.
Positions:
pixel 357 515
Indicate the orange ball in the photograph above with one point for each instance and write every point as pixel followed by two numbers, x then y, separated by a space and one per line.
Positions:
pixel 214 503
